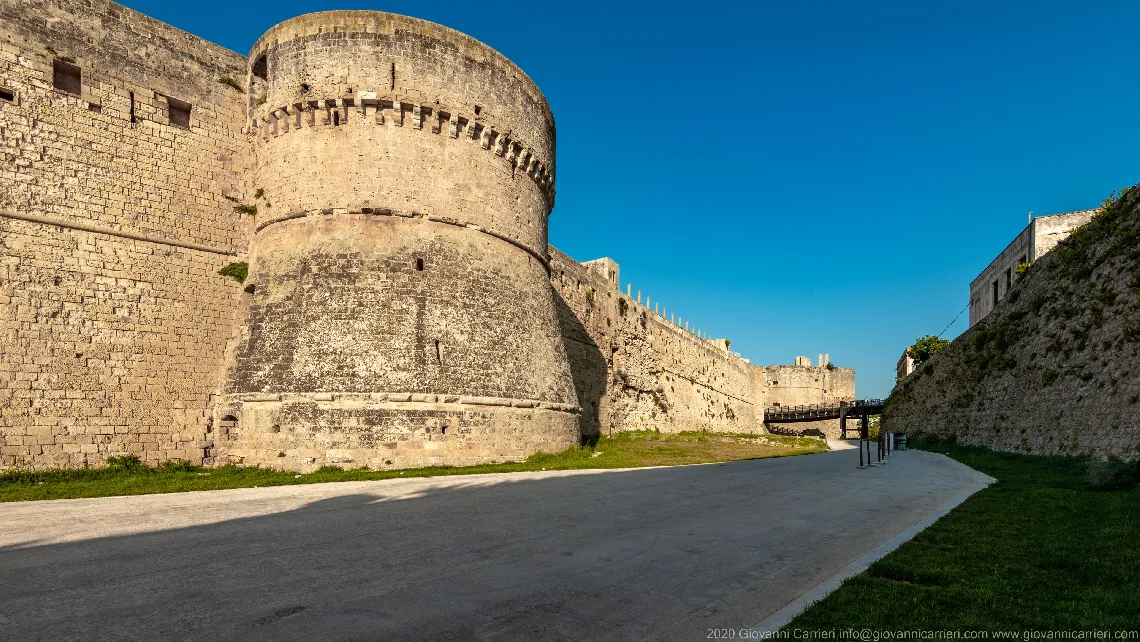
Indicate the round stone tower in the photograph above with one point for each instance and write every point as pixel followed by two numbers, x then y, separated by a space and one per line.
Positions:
pixel 400 312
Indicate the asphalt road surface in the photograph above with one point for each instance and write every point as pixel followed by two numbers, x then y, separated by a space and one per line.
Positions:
pixel 648 554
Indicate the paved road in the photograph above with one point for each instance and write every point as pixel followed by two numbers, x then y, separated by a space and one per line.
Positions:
pixel 650 554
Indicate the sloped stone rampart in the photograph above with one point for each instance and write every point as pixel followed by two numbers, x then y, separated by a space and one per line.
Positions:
pixel 1050 370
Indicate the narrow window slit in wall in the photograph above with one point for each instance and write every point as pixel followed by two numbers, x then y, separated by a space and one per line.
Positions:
pixel 336 118
pixel 419 265
pixel 393 76
pixel 438 353
pixel 179 112
pixel 134 118
pixel 67 77
pixel 7 94
pixel 443 430
pixel 478 110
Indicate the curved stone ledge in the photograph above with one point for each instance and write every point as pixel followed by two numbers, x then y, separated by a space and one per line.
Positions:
pixel 334 112
pixel 401 397
pixel 383 211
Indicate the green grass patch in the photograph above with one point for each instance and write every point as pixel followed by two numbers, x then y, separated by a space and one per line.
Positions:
pixel 127 476
pixel 1046 547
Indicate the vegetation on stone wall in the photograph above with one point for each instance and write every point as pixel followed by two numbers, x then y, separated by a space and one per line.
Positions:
pixel 231 83
pixel 238 271
pixel 1050 369
pixel 925 347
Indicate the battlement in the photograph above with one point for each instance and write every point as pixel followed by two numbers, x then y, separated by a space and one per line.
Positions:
pixel 366 106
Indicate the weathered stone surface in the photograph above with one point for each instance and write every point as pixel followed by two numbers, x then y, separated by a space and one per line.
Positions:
pixel 1049 370
pixel 110 345
pixel 389 182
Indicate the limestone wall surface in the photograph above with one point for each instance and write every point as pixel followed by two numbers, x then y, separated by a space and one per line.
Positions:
pixel 400 255
pixel 111 344
pixel 389 182
pixel 1049 371
pixel 1048 231
pixel 803 385
pixel 789 385
pixel 633 369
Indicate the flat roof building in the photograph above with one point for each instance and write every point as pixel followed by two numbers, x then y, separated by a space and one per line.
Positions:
pixel 1039 237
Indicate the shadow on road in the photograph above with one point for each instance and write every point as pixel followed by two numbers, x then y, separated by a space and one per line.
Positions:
pixel 665 552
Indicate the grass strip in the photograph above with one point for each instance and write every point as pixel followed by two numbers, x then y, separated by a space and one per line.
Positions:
pixel 127 476
pixel 1052 545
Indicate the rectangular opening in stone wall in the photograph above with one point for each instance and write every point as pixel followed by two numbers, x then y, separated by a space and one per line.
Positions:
pixel 260 68
pixel 179 112
pixel 67 77
pixel 1009 279
pixel 419 265
pixel 995 293
pixel 134 119
pixel 95 108
pixel 7 95
pixel 438 353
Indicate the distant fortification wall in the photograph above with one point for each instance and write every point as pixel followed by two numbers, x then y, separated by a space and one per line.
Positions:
pixel 804 385
pixel 633 369
pixel 113 225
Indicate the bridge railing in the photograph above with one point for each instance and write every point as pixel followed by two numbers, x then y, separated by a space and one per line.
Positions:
pixel 830 409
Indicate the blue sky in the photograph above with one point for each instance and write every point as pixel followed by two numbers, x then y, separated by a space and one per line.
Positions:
pixel 801 177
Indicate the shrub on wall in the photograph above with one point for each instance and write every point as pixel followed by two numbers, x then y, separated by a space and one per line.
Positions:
pixel 925 348
pixel 236 270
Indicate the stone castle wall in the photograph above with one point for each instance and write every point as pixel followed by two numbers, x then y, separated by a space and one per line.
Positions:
pixel 1049 370
pixel 113 225
pixel 403 306
pixel 399 311
pixel 804 385
pixel 633 369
